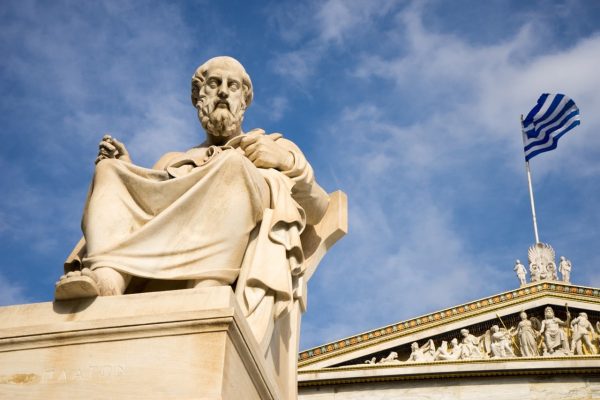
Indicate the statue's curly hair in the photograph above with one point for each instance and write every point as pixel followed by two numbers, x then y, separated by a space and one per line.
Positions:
pixel 199 78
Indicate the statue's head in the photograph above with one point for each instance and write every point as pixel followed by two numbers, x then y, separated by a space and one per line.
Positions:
pixel 549 312
pixel 414 346
pixel 221 92
pixel 464 332
pixel 562 258
pixel 583 315
pixel 454 342
pixel 523 315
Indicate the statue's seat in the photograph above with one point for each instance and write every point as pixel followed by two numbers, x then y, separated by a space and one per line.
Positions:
pixel 316 241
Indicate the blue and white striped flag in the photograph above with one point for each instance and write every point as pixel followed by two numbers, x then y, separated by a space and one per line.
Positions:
pixel 553 116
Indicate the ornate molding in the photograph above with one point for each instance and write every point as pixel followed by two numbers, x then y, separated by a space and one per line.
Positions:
pixel 402 328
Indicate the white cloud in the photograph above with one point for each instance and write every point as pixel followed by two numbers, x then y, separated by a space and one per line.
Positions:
pixel 324 24
pixel 339 20
pixel 427 145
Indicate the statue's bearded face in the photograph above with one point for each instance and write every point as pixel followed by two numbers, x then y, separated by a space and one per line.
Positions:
pixel 221 103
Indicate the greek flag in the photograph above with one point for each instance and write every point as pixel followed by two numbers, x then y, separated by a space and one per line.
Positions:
pixel 553 116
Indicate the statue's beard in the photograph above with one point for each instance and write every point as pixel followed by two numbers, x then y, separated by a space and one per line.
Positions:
pixel 218 121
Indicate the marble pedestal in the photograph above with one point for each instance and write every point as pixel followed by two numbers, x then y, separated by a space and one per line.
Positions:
pixel 185 344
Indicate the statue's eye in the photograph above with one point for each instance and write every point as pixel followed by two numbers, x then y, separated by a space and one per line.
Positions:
pixel 234 85
pixel 213 84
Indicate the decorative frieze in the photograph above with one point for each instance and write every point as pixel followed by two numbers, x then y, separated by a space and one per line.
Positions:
pixel 461 311
pixel 530 337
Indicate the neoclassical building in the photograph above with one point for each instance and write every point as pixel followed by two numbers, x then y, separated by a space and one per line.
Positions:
pixel 538 341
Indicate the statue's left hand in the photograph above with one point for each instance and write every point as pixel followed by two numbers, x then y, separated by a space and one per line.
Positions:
pixel 264 152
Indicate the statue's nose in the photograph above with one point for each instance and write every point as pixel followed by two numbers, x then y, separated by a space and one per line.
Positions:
pixel 223 90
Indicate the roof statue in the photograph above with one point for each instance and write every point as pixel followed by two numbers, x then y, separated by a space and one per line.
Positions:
pixel 240 209
pixel 542 266
pixel 564 267
pixel 541 262
pixel 521 272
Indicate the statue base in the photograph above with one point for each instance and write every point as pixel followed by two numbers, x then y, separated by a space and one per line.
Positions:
pixel 183 344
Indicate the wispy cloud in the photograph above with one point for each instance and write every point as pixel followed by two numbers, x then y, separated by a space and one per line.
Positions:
pixel 435 142
pixel 339 20
pixel 410 107
pixel 324 24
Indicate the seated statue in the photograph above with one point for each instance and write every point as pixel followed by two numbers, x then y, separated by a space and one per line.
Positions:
pixel 443 353
pixel 229 211
pixel 470 346
pixel 425 353
pixel 500 342
pixel 555 338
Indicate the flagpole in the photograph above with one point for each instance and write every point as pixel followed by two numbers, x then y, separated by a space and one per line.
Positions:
pixel 535 229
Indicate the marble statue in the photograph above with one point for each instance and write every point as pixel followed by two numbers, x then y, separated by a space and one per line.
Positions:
pixel 564 267
pixel 470 346
pixel 426 353
pixel 521 272
pixel 416 354
pixel 541 262
pixel 527 337
pixel 534 272
pixel 583 333
pixel 444 353
pixel 229 211
pixel 391 358
pixel 500 346
pixel 555 338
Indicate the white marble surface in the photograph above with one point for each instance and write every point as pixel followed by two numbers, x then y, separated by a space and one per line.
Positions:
pixel 188 344
pixel 535 388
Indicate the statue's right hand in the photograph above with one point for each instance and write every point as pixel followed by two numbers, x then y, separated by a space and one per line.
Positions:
pixel 110 147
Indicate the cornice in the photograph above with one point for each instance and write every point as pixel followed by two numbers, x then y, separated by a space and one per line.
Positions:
pixel 555 370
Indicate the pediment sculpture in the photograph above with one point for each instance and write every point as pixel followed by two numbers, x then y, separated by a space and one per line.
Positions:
pixel 530 338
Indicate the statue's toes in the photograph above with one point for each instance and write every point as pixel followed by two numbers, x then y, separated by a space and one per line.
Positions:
pixel 89 273
pixel 76 286
pixel 71 274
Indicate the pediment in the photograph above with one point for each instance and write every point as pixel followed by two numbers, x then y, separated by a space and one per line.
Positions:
pixel 387 350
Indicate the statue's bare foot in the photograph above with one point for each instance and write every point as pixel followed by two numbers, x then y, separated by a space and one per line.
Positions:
pixel 76 285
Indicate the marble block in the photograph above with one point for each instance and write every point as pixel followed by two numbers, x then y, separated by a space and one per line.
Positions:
pixel 183 344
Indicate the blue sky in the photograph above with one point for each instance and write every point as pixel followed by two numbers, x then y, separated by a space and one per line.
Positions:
pixel 411 108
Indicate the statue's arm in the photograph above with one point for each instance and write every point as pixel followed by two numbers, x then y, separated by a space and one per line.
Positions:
pixel 306 191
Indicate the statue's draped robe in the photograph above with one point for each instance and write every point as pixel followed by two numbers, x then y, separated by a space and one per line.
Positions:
pixel 553 333
pixel 527 339
pixel 208 213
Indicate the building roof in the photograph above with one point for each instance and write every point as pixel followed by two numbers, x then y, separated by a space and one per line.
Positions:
pixel 345 359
